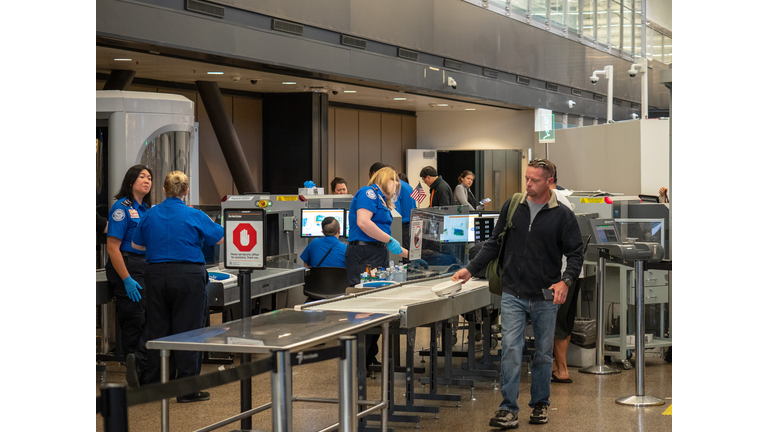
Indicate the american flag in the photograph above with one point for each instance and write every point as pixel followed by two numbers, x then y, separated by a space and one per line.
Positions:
pixel 418 194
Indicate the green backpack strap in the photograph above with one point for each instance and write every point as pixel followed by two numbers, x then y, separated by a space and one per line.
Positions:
pixel 492 271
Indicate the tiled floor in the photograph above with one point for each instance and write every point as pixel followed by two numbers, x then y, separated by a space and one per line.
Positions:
pixel 588 404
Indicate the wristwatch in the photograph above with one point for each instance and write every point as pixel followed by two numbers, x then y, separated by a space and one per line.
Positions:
pixel 568 281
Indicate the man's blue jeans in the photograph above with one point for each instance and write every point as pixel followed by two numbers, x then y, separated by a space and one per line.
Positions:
pixel 514 313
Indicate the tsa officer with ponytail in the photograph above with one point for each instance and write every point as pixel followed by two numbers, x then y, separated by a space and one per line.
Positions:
pixel 370 228
pixel 171 232
pixel 126 265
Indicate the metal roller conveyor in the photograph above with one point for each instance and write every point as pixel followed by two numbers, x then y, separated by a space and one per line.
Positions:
pixel 263 282
pixel 414 301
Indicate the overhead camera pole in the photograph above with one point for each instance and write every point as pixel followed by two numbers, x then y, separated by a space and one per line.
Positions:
pixel 641 67
pixel 608 72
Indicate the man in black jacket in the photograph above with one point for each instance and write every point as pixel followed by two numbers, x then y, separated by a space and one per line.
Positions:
pixel 542 232
pixel 440 193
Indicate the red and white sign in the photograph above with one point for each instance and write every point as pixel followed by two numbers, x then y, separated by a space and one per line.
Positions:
pixel 244 237
pixel 416 240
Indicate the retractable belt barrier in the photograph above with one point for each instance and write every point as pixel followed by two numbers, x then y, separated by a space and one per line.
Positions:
pixel 117 394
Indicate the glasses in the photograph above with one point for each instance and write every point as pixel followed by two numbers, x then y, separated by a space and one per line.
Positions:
pixel 542 163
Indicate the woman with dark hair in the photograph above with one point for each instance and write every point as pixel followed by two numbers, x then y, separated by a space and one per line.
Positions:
pixel 126 265
pixel 463 194
pixel 172 234
pixel 339 186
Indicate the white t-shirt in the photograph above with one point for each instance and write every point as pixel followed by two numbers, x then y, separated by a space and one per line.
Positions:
pixel 562 197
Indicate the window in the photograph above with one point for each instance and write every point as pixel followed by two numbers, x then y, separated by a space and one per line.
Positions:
pixel 602 21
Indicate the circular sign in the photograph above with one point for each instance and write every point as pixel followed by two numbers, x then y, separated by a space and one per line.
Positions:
pixel 417 238
pixel 244 237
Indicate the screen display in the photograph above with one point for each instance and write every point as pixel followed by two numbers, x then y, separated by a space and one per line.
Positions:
pixel 245 241
pixel 312 219
pixel 346 231
pixel 607 234
pixel 456 229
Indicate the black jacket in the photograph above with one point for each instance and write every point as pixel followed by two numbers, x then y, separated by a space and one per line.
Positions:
pixel 440 193
pixel 533 253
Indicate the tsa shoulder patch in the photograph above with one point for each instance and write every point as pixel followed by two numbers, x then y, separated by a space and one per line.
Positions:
pixel 370 194
pixel 118 215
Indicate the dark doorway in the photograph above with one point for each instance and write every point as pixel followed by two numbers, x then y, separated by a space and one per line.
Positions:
pixel 450 165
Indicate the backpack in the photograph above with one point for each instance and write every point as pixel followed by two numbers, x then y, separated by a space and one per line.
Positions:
pixel 492 271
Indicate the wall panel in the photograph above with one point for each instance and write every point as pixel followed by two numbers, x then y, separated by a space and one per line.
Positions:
pixel 347 139
pixel 370 143
pixel 391 141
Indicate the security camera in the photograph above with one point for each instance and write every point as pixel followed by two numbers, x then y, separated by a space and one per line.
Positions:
pixel 634 69
pixel 594 79
pixel 254 82
pixel 452 83
pixel 571 104
pixel 335 92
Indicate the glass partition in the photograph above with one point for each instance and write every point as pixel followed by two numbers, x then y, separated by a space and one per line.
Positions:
pixel 447 234
pixel 615 24
pixel 589 19
pixel 557 13
pixel 573 16
pixel 519 7
pixel 164 153
pixel 602 21
pixel 539 10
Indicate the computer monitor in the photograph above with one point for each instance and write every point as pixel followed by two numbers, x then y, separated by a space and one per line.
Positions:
pixel 456 229
pixel 604 231
pixel 494 215
pixel 483 229
pixel 312 219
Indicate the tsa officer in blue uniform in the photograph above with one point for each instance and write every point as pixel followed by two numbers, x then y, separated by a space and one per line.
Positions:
pixel 403 201
pixel 126 265
pixel 370 226
pixel 171 232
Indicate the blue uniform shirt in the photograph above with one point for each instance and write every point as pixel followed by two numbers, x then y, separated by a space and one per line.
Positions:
pixel 404 202
pixel 317 249
pixel 124 216
pixel 173 232
pixel 371 199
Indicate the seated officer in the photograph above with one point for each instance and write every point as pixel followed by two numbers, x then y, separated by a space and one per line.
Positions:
pixel 327 251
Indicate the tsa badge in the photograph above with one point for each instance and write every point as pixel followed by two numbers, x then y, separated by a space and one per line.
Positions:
pixel 118 215
pixel 370 194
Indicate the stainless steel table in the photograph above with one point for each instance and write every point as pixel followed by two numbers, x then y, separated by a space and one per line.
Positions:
pixel 280 333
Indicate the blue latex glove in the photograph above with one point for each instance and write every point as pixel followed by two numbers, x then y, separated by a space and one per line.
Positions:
pixel 394 246
pixel 309 184
pixel 132 288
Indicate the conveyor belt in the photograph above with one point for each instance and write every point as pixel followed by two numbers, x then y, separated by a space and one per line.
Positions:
pixel 414 301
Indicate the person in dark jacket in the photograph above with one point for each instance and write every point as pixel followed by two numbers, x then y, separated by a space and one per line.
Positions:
pixel 542 232
pixel 440 193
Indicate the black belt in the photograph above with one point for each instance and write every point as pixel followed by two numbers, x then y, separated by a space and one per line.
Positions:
pixel 131 254
pixel 365 243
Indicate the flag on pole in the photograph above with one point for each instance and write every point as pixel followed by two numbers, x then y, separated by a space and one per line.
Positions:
pixel 418 194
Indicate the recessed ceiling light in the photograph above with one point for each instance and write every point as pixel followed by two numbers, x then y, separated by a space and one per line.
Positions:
pixel 350 91
pixel 123 59
pixel 289 82
pixel 469 109
pixel 434 68
pixel 400 99
pixel 215 73
pixel 442 104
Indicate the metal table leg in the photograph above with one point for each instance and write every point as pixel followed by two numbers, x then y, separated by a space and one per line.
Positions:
pixel 639 398
pixel 600 368
pixel 165 417
pixel 348 384
pixel 282 408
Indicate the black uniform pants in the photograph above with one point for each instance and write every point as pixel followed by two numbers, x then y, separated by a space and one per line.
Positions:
pixel 356 259
pixel 131 316
pixel 177 302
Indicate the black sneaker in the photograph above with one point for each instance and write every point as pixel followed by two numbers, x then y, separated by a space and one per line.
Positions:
pixel 194 397
pixel 539 415
pixel 504 419
pixel 131 374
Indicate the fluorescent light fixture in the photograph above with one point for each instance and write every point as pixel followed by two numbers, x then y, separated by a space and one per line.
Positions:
pixel 123 59
pixel 434 68
pixel 442 104
pixel 469 109
pixel 350 91
pixel 400 99
pixel 215 73
pixel 289 82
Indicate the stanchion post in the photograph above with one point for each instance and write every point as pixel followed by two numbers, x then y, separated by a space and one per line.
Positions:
pixel 348 384
pixel 639 398
pixel 599 368
pixel 114 408
pixel 282 409
pixel 385 374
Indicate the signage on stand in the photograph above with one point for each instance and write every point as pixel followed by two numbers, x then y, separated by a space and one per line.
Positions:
pixel 244 239
pixel 417 240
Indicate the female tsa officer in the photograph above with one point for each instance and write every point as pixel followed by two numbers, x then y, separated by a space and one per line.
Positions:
pixel 171 232
pixel 126 265
pixel 370 226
